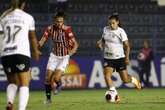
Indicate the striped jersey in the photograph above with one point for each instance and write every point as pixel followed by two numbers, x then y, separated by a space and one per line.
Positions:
pixel 62 39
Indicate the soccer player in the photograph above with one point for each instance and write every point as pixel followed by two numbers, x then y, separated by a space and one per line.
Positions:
pixel 114 43
pixel 17 28
pixel 64 45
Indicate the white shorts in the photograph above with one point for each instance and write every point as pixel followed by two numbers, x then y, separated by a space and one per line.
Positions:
pixel 57 62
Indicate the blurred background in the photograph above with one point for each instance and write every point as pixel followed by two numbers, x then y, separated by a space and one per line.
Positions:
pixel 141 19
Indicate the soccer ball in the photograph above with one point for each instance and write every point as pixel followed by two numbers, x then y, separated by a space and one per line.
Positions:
pixel 112 96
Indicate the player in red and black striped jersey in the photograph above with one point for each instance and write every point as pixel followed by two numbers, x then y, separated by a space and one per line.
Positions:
pixel 64 45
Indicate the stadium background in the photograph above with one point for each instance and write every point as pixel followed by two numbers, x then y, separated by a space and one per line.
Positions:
pixel 142 19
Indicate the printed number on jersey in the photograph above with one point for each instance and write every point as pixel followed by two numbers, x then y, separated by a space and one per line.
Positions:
pixel 12 31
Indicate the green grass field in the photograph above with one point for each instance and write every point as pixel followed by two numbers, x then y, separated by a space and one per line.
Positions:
pixel 131 99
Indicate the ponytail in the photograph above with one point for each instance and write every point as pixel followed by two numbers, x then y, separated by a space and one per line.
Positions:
pixel 17 3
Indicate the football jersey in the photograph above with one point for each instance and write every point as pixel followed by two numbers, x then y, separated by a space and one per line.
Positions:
pixel 62 39
pixel 114 42
pixel 16 26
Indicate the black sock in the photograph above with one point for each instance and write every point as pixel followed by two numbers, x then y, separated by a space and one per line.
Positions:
pixel 48 91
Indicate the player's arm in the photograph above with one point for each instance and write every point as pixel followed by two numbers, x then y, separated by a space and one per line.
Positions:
pixel 42 42
pixel 126 51
pixel 44 37
pixel 33 39
pixel 100 43
pixel 75 46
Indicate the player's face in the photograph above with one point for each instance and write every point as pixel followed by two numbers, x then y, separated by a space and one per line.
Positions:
pixel 59 22
pixel 113 23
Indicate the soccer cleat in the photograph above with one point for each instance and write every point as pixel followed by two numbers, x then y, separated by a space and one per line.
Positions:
pixel 47 102
pixel 58 88
pixel 9 106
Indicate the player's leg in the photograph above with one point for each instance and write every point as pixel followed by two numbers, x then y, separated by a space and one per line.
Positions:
pixel 24 79
pixel 61 66
pixel 48 86
pixel 52 63
pixel 107 75
pixel 56 81
pixel 11 90
pixel 126 78
pixel 147 77
pixel 21 65
pixel 108 70
pixel 11 77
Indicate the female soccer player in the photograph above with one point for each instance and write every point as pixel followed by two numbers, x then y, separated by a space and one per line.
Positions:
pixel 64 45
pixel 114 43
pixel 17 28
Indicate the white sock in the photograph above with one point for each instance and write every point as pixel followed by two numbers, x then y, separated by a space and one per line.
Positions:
pixel 112 88
pixel 11 92
pixel 23 97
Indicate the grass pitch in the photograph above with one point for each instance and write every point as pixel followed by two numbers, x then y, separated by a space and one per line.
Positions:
pixel 131 99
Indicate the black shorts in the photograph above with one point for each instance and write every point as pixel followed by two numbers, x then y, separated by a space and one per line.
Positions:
pixel 117 64
pixel 15 63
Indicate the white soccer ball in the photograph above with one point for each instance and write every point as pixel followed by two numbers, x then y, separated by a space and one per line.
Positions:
pixel 112 96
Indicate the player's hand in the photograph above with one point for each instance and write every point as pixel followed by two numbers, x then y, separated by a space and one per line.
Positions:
pixel 71 52
pixel 99 44
pixel 127 62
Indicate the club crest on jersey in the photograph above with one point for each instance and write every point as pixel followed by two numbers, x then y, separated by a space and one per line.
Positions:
pixel 20 66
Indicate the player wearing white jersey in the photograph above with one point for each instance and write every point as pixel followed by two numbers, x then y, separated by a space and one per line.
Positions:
pixel 114 43
pixel 17 28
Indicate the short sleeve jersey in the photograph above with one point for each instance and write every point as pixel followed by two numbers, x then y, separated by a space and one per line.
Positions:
pixel 62 39
pixel 16 26
pixel 114 42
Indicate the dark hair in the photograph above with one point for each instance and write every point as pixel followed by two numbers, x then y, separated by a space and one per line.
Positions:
pixel 116 17
pixel 17 3
pixel 59 14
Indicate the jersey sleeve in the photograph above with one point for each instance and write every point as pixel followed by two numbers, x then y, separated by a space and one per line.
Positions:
pixel 32 24
pixel 71 36
pixel 123 35
pixel 70 33
pixel 47 32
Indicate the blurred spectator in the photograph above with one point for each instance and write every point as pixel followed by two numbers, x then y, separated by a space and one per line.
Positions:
pixel 145 57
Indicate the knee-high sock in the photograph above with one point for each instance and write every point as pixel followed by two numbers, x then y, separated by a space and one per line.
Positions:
pixel 48 91
pixel 23 97
pixel 11 92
